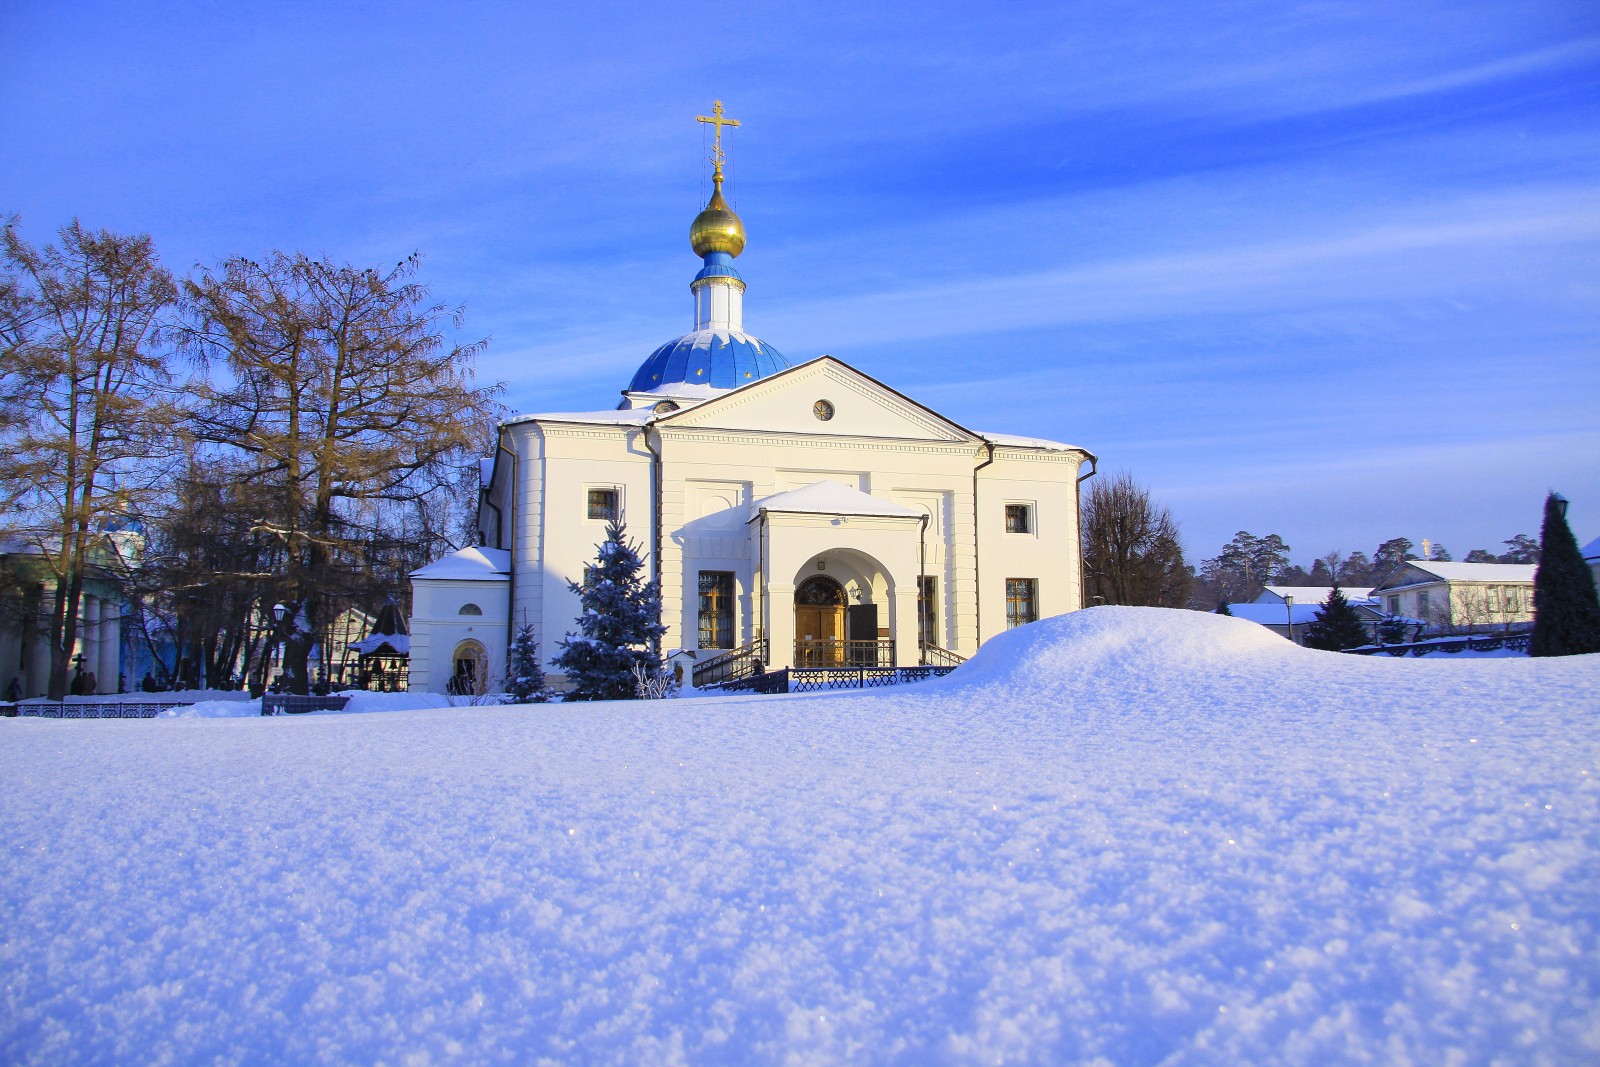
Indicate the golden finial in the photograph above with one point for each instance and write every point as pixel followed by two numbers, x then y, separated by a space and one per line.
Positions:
pixel 717 228
pixel 716 119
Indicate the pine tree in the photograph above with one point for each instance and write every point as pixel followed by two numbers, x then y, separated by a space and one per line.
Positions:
pixel 1566 619
pixel 1337 626
pixel 1392 630
pixel 1223 609
pixel 525 680
pixel 621 624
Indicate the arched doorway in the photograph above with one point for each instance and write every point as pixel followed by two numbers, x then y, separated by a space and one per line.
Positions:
pixel 819 622
pixel 471 673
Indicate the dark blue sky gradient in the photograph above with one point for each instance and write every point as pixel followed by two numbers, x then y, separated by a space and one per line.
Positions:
pixel 1326 270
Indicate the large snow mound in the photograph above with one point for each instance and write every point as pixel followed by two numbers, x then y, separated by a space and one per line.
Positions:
pixel 1124 836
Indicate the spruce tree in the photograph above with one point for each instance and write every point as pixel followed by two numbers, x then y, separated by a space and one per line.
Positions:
pixel 1223 609
pixel 525 680
pixel 620 625
pixel 1566 620
pixel 1337 626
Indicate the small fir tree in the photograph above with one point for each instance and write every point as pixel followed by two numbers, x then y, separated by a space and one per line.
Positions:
pixel 1392 630
pixel 1223 609
pixel 620 625
pixel 1566 620
pixel 525 680
pixel 1337 626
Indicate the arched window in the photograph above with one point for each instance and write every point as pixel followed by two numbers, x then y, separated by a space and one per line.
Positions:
pixel 470 609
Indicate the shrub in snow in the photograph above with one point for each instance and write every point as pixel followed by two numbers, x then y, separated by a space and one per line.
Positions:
pixel 1392 630
pixel 1337 625
pixel 1566 619
pixel 620 625
pixel 525 682
pixel 654 685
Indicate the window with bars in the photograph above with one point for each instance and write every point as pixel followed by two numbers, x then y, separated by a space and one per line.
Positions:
pixel 1022 601
pixel 603 504
pixel 1019 518
pixel 716 609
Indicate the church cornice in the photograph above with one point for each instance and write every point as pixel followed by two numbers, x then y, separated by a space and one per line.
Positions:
pixel 727 436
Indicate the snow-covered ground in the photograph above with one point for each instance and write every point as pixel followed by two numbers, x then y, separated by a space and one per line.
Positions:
pixel 1125 836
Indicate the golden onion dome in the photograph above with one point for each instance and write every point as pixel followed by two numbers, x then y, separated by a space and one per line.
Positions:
pixel 717 228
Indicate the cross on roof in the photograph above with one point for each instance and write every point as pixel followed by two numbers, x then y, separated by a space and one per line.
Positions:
pixel 716 119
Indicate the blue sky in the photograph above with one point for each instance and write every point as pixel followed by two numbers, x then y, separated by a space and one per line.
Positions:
pixel 1329 270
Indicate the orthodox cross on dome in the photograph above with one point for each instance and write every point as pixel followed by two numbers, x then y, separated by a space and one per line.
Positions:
pixel 716 119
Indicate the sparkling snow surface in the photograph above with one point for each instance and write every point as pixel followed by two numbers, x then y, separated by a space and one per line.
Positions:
pixel 1127 836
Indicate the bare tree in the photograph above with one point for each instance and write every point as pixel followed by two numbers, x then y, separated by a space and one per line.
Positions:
pixel 346 409
pixel 81 420
pixel 1131 553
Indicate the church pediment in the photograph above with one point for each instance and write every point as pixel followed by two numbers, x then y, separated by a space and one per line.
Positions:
pixel 825 397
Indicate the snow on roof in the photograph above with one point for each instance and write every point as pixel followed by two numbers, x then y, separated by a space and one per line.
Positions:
pixel 400 643
pixel 1074 849
pixel 1270 614
pixel 1592 549
pixel 833 498
pixel 470 564
pixel 1011 440
pixel 1472 572
pixel 612 417
pixel 1311 594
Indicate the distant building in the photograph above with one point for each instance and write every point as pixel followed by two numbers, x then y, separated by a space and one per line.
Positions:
pixel 1591 556
pixel 27 602
pixel 1459 597
pixel 1287 610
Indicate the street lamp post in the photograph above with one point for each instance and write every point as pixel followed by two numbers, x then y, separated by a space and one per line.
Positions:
pixel 1288 610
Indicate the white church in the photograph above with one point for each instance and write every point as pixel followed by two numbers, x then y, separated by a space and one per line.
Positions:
pixel 803 514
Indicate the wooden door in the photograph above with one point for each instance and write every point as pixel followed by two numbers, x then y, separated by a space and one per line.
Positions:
pixel 817 632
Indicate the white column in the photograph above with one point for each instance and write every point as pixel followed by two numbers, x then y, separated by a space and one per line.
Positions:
pixel 89 635
pixel 906 652
pixel 110 645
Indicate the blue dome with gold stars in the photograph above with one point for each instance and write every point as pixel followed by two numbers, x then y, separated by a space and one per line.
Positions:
pixel 722 359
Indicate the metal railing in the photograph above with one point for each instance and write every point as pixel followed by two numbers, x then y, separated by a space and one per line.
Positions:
pixel 819 679
pixel 1516 642
pixel 741 662
pixel 934 656
pixel 106 710
pixel 291 704
pixel 812 652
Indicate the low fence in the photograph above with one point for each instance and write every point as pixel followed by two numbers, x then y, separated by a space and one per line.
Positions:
pixel 1515 642
pixel 290 704
pixel 820 679
pixel 106 710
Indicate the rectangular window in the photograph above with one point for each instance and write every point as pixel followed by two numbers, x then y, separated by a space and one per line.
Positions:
pixel 603 504
pixel 1022 601
pixel 1019 518
pixel 1394 605
pixel 716 609
pixel 928 610
pixel 1422 606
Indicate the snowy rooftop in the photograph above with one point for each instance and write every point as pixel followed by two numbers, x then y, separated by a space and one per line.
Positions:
pixel 1463 572
pixel 1270 614
pixel 610 417
pixel 832 498
pixel 1011 440
pixel 472 563
pixel 1124 836
pixel 1310 594
pixel 1591 551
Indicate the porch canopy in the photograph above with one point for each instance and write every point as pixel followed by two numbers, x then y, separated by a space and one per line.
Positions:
pixel 870 546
